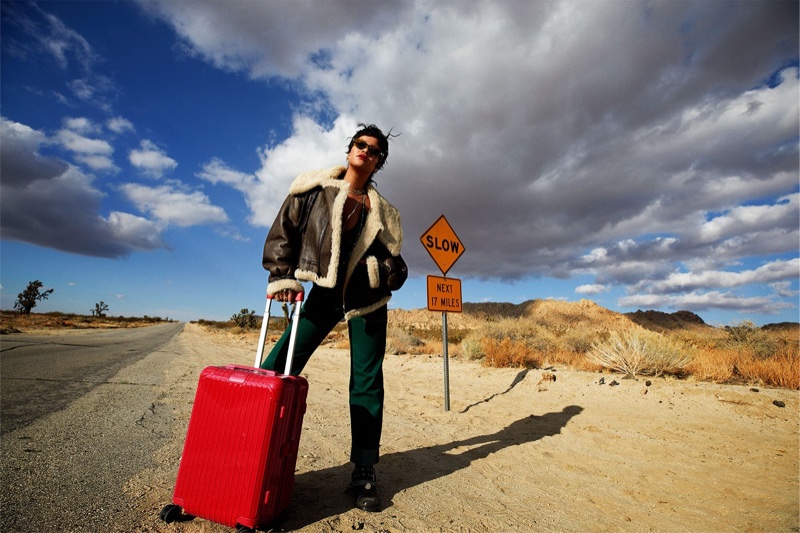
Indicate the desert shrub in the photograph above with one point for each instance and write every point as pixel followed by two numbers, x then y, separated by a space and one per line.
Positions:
pixel 578 342
pixel 528 336
pixel 542 342
pixel 746 336
pixel 737 365
pixel 572 359
pixel 245 319
pixel 400 341
pixel 713 364
pixel 470 348
pixel 512 328
pixel 509 353
pixel 640 351
pixel 780 370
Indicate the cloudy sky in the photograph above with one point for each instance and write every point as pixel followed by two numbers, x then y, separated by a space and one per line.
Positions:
pixel 640 154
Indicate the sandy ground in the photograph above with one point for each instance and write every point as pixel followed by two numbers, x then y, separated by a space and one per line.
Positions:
pixel 516 451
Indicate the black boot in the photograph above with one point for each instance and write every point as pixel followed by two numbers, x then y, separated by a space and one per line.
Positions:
pixel 364 488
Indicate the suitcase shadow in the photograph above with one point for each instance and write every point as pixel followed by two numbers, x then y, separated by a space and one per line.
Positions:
pixel 320 495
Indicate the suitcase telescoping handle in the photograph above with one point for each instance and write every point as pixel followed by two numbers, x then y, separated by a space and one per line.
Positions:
pixel 262 338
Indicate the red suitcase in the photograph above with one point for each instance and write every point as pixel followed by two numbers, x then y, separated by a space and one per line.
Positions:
pixel 240 453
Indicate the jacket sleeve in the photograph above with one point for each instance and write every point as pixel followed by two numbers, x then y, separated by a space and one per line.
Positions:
pixel 282 247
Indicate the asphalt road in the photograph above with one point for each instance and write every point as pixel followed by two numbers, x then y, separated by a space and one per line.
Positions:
pixel 79 418
pixel 42 374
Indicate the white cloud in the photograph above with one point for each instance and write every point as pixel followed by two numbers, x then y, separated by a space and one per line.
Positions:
pixel 67 215
pixel 151 160
pixel 590 289
pixel 50 35
pixel 172 206
pixel 98 163
pixel 750 219
pixel 215 171
pixel 80 125
pixel 267 39
pixel 79 144
pixel 784 289
pixel 689 281
pixel 140 233
pixel 309 147
pixel 95 153
pixel 120 125
pixel 702 301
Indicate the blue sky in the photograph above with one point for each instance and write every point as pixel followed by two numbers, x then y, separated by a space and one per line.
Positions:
pixel 643 155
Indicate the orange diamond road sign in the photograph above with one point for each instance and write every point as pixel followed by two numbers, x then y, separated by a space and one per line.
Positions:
pixel 443 244
pixel 444 294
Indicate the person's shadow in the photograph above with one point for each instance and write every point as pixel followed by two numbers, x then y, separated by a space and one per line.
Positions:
pixel 319 495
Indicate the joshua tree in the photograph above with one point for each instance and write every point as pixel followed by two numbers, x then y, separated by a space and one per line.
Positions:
pixel 27 299
pixel 100 309
pixel 245 318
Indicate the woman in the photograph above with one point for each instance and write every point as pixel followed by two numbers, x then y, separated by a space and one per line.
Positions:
pixel 336 231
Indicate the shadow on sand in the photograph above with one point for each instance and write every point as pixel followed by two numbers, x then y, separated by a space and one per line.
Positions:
pixel 319 495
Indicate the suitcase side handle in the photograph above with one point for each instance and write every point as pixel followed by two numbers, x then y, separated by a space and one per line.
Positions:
pixel 263 335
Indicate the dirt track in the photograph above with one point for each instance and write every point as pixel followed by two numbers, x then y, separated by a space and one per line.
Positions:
pixel 516 452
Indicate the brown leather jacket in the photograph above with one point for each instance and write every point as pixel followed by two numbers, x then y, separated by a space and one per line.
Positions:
pixel 304 244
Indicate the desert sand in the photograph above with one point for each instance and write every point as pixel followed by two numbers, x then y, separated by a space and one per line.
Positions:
pixel 519 450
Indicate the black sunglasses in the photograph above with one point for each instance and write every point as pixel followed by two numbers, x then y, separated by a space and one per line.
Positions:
pixel 371 150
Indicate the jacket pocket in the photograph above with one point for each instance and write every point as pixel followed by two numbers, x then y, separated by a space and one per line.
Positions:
pixel 373 272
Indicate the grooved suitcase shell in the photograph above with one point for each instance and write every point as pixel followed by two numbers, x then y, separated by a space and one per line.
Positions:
pixel 240 453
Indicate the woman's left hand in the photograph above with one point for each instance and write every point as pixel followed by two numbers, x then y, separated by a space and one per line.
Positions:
pixel 288 295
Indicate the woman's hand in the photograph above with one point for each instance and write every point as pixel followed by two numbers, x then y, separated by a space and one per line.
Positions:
pixel 288 295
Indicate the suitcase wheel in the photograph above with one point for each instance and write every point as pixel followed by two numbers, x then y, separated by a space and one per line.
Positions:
pixel 170 513
pixel 244 529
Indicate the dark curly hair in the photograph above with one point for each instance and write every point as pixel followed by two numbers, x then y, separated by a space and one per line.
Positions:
pixel 371 130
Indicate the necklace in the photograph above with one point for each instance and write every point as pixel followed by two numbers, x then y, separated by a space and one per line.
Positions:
pixel 359 203
pixel 359 192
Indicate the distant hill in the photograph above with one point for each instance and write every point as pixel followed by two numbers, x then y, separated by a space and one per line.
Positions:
pixel 551 313
pixel 788 327
pixel 558 314
pixel 554 314
pixel 660 321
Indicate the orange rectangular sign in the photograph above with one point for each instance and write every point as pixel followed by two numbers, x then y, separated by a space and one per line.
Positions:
pixel 444 294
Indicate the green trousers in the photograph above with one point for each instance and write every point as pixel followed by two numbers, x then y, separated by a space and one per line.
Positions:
pixel 318 315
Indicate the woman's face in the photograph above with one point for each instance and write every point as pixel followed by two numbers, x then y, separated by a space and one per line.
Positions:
pixel 364 154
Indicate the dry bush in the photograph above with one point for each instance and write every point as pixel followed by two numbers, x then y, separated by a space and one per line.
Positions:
pixel 470 348
pixel 640 351
pixel 511 328
pixel 747 337
pixel 400 341
pixel 573 359
pixel 579 342
pixel 736 365
pixel 509 353
pixel 780 370
pixel 710 364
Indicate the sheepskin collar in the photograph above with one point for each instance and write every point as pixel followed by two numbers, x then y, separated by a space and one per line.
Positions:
pixel 383 220
pixel 329 177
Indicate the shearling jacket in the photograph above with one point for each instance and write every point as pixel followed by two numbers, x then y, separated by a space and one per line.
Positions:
pixel 305 241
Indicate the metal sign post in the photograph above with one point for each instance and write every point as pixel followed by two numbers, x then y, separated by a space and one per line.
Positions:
pixel 446 364
pixel 444 294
